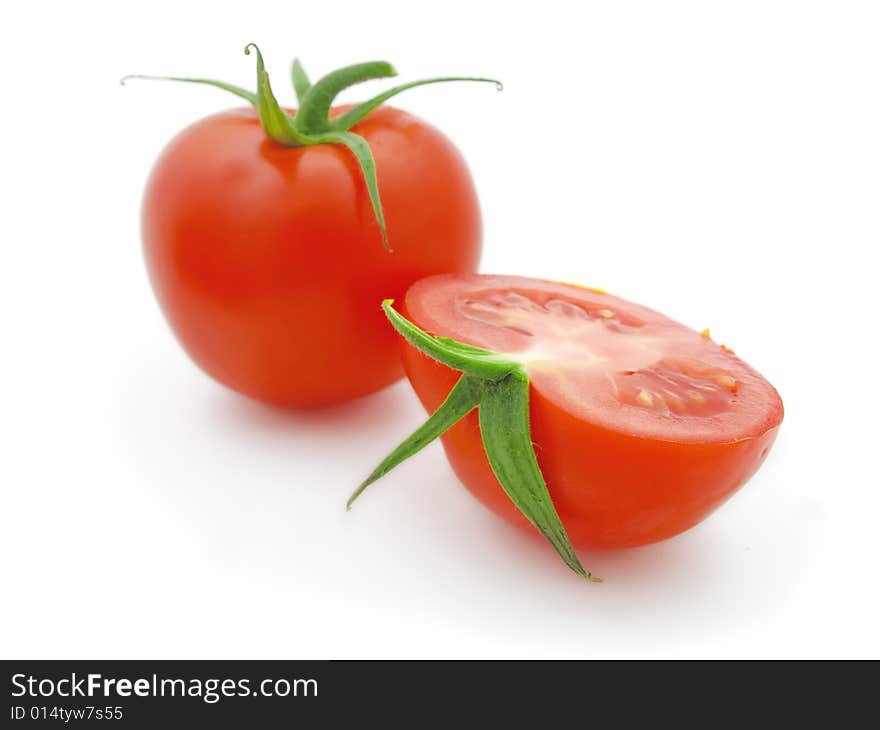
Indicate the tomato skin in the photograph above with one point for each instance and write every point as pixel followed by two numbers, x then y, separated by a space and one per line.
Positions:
pixel 611 489
pixel 268 263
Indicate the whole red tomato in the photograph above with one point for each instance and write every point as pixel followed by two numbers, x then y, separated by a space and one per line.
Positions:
pixel 268 259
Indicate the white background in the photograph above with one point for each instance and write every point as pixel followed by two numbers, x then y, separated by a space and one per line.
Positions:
pixel 717 161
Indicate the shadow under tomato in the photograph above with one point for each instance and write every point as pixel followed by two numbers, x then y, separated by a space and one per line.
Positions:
pixel 690 584
pixel 655 562
pixel 344 420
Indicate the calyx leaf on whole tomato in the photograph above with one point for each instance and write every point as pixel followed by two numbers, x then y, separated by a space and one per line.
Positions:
pixel 312 124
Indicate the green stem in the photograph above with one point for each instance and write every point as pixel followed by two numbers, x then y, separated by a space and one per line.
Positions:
pixel 466 358
pixel 312 125
pixel 314 111
pixel 301 83
pixel 499 389
pixel 462 399
pixel 504 426
pixel 248 96
pixel 364 156
pixel 276 122
pixel 353 116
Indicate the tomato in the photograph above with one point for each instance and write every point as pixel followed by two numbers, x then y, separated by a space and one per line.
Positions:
pixel 641 426
pixel 268 262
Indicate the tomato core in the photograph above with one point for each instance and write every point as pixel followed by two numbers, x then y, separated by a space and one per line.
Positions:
pixel 595 348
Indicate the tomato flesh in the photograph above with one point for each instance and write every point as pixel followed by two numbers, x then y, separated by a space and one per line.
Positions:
pixel 268 262
pixel 641 425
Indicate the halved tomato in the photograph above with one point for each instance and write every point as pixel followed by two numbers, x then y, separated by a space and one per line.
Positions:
pixel 641 426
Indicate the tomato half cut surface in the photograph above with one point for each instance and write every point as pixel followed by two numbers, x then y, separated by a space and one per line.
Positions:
pixel 641 426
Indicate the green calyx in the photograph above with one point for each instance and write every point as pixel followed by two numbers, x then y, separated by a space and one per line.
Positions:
pixel 499 389
pixel 312 124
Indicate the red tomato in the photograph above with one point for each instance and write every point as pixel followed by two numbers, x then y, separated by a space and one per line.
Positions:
pixel 268 262
pixel 641 426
